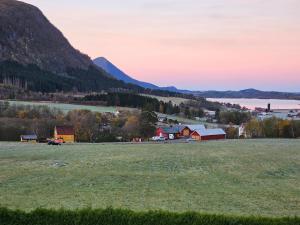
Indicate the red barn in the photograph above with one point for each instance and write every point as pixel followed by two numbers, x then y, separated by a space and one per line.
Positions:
pixel 208 134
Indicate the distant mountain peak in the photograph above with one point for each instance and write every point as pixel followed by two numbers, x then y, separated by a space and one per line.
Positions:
pixel 117 73
pixel 250 90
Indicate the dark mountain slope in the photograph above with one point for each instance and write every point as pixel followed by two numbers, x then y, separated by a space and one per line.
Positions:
pixel 31 77
pixel 27 37
pixel 35 55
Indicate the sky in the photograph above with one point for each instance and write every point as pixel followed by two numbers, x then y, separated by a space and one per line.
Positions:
pixel 190 44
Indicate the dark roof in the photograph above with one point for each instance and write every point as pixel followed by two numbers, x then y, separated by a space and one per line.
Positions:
pixel 173 129
pixel 29 137
pixel 64 130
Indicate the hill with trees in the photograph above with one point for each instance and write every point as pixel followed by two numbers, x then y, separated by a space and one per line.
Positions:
pixel 35 55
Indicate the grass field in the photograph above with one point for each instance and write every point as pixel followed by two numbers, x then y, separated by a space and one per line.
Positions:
pixel 245 177
pixel 174 100
pixel 67 107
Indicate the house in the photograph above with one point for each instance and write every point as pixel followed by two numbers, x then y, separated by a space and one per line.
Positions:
pixel 29 138
pixel 209 113
pixel 64 133
pixel 162 119
pixel 208 134
pixel 242 131
pixel 172 132
pixel 177 131
pixel 197 132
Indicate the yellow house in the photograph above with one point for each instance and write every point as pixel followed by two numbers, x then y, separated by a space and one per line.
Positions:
pixel 64 133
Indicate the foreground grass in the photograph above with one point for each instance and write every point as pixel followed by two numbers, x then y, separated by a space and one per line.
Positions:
pixel 246 177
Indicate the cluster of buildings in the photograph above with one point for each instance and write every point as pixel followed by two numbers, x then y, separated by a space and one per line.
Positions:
pixel 284 114
pixel 196 132
pixel 280 114
pixel 62 134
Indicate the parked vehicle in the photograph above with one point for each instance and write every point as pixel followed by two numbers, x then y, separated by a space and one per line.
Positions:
pixel 158 138
pixel 54 142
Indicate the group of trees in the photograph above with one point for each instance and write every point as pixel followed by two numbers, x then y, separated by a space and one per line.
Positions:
pixel 273 128
pixel 233 117
pixel 124 100
pixel 33 78
pixel 16 120
pixel 28 111
pixel 188 109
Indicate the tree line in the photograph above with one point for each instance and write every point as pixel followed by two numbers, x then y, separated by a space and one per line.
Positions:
pixel 16 120
pixel 31 77
pixel 188 109
pixel 273 128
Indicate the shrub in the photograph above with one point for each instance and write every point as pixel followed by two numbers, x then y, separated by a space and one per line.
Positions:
pixel 126 217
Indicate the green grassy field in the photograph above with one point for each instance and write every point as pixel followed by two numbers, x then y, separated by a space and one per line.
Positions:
pixel 68 107
pixel 245 177
pixel 174 100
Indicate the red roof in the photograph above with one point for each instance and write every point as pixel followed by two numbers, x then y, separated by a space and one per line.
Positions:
pixel 64 130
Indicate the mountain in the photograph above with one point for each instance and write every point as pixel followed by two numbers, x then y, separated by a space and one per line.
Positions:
pixel 117 73
pixel 36 55
pixel 248 93
pixel 27 37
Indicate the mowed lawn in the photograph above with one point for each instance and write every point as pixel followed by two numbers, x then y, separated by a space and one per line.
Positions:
pixel 244 177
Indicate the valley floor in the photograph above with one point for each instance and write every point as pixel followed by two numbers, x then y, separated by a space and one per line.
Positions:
pixel 244 177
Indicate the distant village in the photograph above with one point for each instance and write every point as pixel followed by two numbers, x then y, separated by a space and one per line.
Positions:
pixel 147 122
pixel 167 130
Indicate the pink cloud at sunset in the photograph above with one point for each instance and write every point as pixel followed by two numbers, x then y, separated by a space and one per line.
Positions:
pixel 199 45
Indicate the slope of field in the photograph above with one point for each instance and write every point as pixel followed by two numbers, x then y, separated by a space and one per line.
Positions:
pixel 67 107
pixel 174 100
pixel 246 177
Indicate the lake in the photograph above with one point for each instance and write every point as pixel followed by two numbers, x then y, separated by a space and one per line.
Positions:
pixel 263 103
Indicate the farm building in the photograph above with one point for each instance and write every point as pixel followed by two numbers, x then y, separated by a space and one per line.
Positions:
pixel 29 138
pixel 191 128
pixel 208 134
pixel 198 132
pixel 172 132
pixel 178 131
pixel 65 133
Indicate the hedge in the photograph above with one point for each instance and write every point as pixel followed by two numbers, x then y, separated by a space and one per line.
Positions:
pixel 126 217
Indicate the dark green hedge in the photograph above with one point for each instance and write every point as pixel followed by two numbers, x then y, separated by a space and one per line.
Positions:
pixel 125 217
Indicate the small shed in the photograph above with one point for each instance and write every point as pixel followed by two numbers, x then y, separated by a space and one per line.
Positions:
pixel 29 138
pixel 64 133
